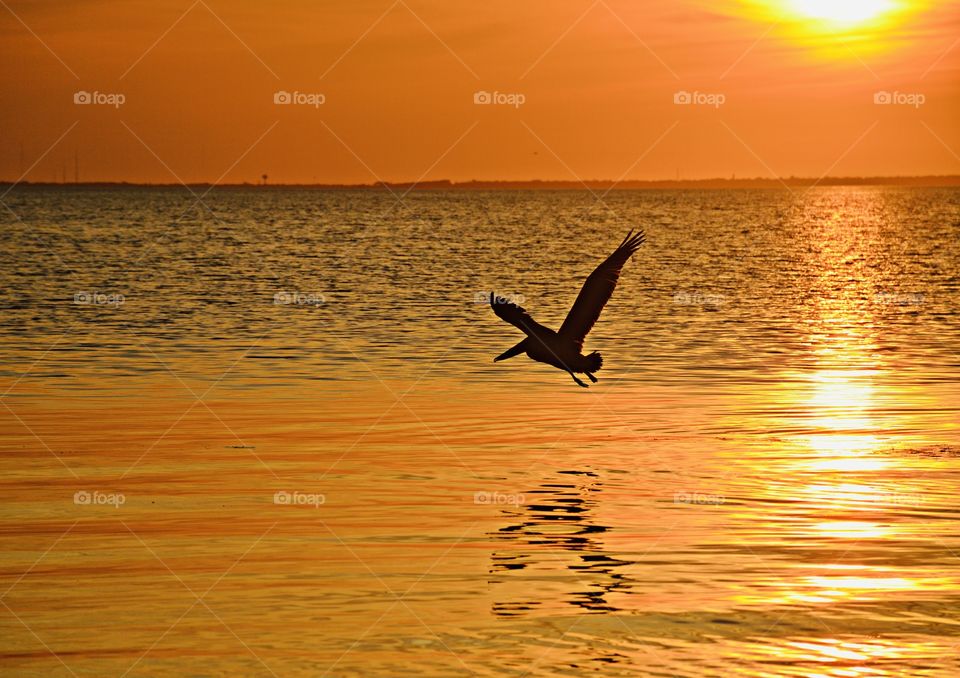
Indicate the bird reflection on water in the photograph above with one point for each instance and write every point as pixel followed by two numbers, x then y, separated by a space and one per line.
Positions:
pixel 558 521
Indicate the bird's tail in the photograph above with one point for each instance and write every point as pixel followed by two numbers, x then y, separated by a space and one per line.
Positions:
pixel 593 362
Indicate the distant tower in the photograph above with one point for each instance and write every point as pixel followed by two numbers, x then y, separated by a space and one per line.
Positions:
pixel 21 160
pixel 76 166
pixel 264 177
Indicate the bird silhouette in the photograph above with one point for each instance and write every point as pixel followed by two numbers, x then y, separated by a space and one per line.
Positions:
pixel 564 348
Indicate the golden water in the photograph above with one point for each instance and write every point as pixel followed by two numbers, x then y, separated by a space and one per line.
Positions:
pixel 763 483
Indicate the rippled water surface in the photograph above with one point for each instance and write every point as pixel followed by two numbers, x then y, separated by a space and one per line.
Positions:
pixel 262 434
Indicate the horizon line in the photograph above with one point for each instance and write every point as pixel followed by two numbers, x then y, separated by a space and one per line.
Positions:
pixel 930 180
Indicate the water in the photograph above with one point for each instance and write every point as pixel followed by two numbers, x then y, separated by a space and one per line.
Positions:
pixel 763 482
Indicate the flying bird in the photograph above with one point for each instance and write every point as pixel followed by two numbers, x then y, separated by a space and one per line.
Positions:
pixel 564 348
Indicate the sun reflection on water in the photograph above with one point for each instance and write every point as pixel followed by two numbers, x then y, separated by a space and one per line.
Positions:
pixel 837 496
pixel 852 529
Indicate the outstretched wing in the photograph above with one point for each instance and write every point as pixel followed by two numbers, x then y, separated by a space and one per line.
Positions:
pixel 597 290
pixel 515 315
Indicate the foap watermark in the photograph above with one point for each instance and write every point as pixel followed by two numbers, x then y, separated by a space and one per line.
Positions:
pixel 885 98
pixel 98 498
pixel 685 98
pixel 283 498
pixel 84 98
pixel 99 299
pixel 698 299
pixel 284 98
pixel 484 298
pixel 298 299
pixel 899 299
pixel 498 499
pixel 485 98
pixel 701 498
pixel 894 499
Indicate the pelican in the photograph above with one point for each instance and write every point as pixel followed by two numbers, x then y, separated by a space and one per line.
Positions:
pixel 564 348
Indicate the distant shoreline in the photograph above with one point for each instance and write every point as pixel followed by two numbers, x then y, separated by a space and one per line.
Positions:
pixel 532 185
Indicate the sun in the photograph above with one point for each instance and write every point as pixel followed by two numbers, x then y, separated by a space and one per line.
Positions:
pixel 841 12
pixel 844 31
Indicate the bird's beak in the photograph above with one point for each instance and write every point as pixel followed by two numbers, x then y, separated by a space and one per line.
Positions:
pixel 512 351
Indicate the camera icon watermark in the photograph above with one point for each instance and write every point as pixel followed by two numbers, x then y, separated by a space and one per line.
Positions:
pixel 284 98
pixel 84 98
pixel 485 98
pixel 498 499
pixel 298 299
pixel 283 498
pixel 885 98
pixel 99 299
pixel 685 98
pixel 97 498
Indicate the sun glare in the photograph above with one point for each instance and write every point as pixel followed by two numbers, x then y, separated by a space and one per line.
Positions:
pixel 833 27
pixel 844 12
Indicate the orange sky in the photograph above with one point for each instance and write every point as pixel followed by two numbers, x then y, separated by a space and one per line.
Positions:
pixel 598 79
